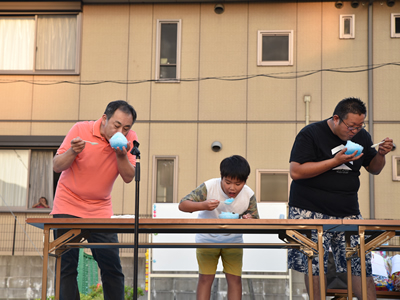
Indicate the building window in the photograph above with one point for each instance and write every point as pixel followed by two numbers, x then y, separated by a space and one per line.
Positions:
pixel 272 185
pixel 275 48
pixel 168 50
pixel 26 176
pixel 396 168
pixel 165 175
pixel 40 44
pixel 347 26
pixel 395 25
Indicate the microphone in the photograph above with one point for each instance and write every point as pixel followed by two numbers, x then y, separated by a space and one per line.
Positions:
pixel 135 149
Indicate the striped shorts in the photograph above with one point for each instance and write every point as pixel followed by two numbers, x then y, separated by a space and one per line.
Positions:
pixel 334 241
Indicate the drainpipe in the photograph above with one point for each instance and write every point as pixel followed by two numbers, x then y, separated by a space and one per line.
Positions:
pixel 370 108
pixel 307 100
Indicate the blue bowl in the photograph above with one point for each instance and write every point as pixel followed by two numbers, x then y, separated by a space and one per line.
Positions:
pixel 353 147
pixel 118 140
pixel 228 215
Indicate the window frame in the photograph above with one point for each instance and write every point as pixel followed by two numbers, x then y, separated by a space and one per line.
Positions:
pixel 261 34
pixel 393 18
pixel 78 43
pixel 342 34
pixel 175 179
pixel 26 207
pixel 395 176
pixel 260 172
pixel 178 50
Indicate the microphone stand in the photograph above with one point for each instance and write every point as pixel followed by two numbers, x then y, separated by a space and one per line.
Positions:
pixel 135 151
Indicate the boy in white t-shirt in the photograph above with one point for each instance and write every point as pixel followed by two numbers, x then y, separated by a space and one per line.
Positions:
pixel 208 198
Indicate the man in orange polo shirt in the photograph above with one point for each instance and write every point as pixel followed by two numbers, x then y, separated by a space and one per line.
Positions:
pixel 84 191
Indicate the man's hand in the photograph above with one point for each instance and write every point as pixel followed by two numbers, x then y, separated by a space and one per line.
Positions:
pixel 378 162
pixel 124 151
pixel 386 146
pixel 210 204
pixel 341 157
pixel 77 145
pixel 63 161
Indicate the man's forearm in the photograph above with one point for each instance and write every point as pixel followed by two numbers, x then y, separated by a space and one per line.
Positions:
pixel 376 165
pixel 63 161
pixel 310 169
pixel 126 169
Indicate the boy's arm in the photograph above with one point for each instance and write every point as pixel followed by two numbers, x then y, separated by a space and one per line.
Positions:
pixel 197 200
pixel 252 211
pixel 191 206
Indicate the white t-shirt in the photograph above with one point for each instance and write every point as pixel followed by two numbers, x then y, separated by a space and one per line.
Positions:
pixel 239 206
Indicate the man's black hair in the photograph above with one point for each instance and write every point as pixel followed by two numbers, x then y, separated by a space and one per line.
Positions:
pixel 121 105
pixel 235 167
pixel 350 105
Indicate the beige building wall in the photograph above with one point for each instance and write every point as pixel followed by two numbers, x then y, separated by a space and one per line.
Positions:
pixel 257 117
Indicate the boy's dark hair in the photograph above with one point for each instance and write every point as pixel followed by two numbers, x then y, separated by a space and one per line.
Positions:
pixel 122 105
pixel 235 167
pixel 350 105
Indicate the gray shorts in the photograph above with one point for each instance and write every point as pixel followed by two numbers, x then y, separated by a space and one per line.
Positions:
pixel 332 240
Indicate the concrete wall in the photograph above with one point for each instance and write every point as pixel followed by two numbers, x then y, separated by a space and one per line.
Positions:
pixel 21 278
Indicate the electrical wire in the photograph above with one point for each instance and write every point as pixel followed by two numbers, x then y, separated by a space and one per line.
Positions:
pixel 281 75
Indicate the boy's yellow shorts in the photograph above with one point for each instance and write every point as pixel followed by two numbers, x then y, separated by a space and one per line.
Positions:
pixel 232 260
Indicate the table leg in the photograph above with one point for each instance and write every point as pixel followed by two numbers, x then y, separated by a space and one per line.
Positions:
pixel 310 279
pixel 348 261
pixel 309 248
pixel 363 265
pixel 321 262
pixel 58 275
pixel 46 233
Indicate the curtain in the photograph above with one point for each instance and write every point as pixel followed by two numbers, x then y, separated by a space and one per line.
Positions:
pixel 56 42
pixel 165 181
pixel 13 177
pixel 17 43
pixel 41 177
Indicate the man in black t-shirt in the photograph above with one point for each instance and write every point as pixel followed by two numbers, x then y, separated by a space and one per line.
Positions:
pixel 326 181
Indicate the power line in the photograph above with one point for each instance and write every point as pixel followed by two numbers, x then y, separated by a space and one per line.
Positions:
pixel 281 75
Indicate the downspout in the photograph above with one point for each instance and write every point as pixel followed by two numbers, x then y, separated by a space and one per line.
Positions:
pixel 307 100
pixel 370 108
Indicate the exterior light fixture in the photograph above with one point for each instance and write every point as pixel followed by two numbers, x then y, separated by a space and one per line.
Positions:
pixel 390 3
pixel 339 4
pixel 216 146
pixel 219 8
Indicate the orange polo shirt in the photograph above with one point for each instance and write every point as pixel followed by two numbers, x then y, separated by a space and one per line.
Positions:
pixel 84 189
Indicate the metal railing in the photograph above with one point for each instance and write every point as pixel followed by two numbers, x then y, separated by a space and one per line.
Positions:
pixel 19 238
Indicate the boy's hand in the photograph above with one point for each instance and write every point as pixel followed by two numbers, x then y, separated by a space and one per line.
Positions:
pixel 247 216
pixel 211 204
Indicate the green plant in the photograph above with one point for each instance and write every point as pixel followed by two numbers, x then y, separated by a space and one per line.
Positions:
pixel 129 293
pixel 96 293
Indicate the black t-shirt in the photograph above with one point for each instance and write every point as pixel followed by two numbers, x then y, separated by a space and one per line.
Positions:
pixel 334 192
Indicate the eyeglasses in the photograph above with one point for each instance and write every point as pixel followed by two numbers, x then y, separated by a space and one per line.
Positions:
pixel 351 128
